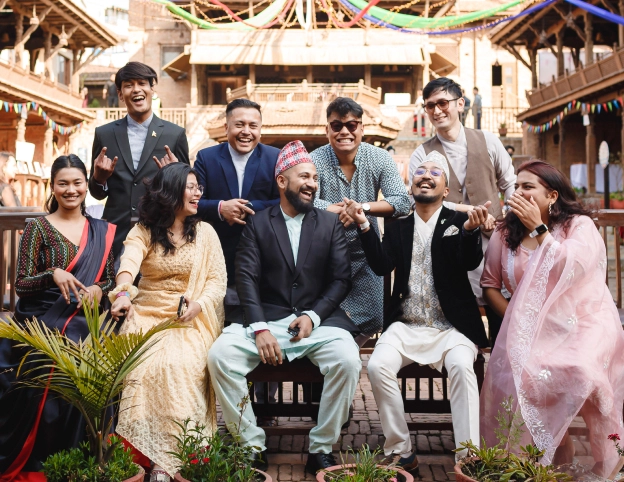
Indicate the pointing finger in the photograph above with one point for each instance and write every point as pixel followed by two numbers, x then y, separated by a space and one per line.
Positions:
pixel 169 153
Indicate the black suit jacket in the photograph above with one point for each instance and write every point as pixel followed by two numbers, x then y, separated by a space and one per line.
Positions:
pixel 125 186
pixel 271 286
pixel 216 172
pixel 452 258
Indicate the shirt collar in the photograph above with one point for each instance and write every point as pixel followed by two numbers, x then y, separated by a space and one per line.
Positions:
pixel 426 228
pixel 299 217
pixel 145 124
pixel 236 155
pixel 461 137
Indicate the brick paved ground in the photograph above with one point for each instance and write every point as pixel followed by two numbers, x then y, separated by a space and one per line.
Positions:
pixel 287 453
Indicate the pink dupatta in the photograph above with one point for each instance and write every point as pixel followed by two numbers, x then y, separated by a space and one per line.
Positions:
pixel 560 350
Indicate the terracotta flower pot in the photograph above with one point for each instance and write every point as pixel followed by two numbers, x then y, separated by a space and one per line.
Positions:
pixel 138 477
pixel 502 132
pixel 459 475
pixel 267 477
pixel 320 477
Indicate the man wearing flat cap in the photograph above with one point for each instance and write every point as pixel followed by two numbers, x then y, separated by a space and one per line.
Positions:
pixel 432 317
pixel 292 272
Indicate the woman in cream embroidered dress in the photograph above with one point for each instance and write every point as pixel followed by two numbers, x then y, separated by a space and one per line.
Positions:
pixel 560 351
pixel 176 255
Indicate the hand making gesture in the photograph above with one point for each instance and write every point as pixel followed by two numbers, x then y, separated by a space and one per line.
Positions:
pixel 103 167
pixel 168 159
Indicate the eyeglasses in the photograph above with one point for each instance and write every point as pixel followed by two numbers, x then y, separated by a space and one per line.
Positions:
pixel 443 104
pixel 195 188
pixel 421 171
pixel 337 126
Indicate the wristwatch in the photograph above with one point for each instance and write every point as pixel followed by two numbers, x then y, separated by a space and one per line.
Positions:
pixel 541 229
pixel 366 208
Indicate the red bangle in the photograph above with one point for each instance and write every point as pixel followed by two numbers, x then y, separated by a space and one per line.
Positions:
pixel 260 331
pixel 122 293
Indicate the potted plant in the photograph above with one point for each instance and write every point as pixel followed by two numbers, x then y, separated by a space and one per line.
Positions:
pixel 363 469
pixel 89 374
pixel 502 129
pixel 616 200
pixel 220 457
pixel 500 463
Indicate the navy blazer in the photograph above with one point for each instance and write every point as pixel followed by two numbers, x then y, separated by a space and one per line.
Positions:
pixel 216 172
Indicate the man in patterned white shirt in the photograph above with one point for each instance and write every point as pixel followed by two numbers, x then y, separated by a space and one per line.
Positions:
pixel 432 317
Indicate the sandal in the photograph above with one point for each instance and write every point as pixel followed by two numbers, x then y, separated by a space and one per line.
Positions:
pixel 159 475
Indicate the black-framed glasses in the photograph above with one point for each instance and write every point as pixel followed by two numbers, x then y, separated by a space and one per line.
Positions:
pixel 351 126
pixel 443 104
pixel 421 171
pixel 195 188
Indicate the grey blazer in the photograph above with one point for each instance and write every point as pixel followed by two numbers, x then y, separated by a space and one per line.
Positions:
pixel 125 187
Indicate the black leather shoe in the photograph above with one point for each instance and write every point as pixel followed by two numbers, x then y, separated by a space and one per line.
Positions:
pixel 319 461
pixel 260 461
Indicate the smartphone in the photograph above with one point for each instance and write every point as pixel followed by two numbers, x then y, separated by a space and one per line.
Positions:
pixel 181 306
pixel 294 331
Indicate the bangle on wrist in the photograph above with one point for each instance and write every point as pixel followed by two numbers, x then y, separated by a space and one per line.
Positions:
pixel 364 226
pixel 260 331
pixel 131 290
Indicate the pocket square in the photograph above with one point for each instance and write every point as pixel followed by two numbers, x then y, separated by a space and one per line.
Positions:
pixel 451 231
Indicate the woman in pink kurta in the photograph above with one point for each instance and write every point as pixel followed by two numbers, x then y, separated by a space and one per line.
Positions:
pixel 560 351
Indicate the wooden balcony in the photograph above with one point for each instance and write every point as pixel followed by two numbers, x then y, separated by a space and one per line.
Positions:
pixel 20 86
pixel 590 79
pixel 305 92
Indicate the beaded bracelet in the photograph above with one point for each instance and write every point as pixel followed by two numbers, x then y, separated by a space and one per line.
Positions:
pixel 131 290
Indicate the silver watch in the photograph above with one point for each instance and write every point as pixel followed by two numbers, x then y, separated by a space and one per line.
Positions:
pixel 366 208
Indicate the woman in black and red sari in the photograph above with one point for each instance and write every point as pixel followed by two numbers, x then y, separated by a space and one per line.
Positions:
pixel 64 257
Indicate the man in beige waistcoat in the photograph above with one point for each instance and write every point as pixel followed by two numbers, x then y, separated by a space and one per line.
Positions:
pixel 480 167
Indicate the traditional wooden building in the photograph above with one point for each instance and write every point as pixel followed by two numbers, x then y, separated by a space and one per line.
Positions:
pixel 572 97
pixel 44 46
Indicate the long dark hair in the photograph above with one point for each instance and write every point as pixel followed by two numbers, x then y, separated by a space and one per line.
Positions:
pixel 63 162
pixel 563 210
pixel 164 196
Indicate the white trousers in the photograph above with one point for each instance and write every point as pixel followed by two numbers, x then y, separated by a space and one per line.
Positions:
pixel 233 356
pixel 383 366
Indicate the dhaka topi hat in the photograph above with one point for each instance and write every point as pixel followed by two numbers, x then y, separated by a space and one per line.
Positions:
pixel 436 158
pixel 292 154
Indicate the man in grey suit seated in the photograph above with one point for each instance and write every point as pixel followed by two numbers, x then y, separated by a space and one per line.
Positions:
pixel 142 141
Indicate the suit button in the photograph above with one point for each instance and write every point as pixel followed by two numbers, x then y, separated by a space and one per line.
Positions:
pixel 294 309
pixel 295 286
pixel 134 183
pixel 401 295
pixel 134 208
pixel 459 190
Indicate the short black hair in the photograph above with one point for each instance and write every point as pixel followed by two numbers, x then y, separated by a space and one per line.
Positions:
pixel 476 88
pixel 442 84
pixel 510 147
pixel 241 103
pixel 135 70
pixel 343 106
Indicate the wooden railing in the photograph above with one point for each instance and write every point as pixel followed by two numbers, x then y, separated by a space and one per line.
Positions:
pixel 569 83
pixel 12 223
pixel 175 116
pixel 608 221
pixel 305 92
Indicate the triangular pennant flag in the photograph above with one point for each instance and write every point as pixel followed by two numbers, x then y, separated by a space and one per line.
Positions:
pixel 593 109
pixel 599 106
pixel 605 106
pixel 610 106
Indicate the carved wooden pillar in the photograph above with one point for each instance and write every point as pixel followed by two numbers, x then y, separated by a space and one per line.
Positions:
pixel 564 165
pixel 19 35
pixel 621 29
pixel 48 146
pixel 591 155
pixel 589 40
pixel 560 61
pixel 47 47
pixel 533 60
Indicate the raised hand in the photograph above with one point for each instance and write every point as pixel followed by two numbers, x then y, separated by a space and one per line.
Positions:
pixel 167 159
pixel 234 211
pixel 103 167
pixel 354 211
pixel 477 216
pixel 528 212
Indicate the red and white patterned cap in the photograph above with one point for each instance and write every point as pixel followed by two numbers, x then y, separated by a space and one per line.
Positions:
pixel 292 154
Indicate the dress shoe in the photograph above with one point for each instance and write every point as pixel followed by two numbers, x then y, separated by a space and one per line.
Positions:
pixel 319 461
pixel 409 464
pixel 260 461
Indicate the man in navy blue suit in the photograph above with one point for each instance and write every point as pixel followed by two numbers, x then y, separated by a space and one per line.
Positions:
pixel 238 179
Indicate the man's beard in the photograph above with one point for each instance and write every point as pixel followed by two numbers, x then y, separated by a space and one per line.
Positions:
pixel 427 198
pixel 299 204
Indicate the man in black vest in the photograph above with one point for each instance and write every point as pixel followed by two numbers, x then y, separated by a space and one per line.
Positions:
pixel 292 272
pixel 432 317
pixel 141 140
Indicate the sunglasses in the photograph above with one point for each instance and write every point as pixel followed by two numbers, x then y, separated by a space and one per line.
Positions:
pixel 421 171
pixel 337 126
pixel 443 104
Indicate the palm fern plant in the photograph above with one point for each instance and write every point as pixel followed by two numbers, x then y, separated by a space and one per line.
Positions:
pixel 89 373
